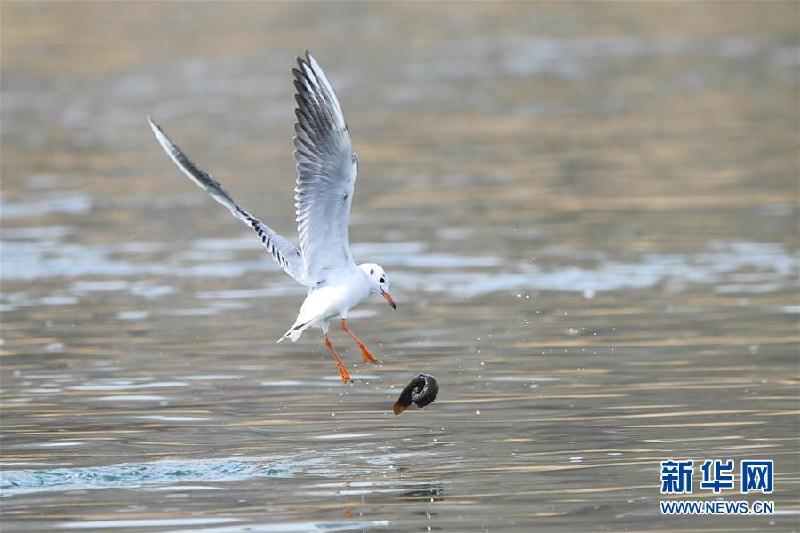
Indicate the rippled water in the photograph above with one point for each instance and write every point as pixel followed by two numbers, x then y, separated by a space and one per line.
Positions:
pixel 589 213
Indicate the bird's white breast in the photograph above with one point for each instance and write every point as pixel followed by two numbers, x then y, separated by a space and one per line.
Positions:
pixel 335 298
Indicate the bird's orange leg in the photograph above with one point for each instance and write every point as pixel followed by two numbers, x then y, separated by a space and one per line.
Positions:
pixel 368 357
pixel 342 370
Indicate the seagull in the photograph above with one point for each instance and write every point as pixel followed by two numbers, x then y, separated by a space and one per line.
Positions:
pixel 326 177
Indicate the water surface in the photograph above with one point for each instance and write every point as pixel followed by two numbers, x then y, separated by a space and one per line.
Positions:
pixel 588 212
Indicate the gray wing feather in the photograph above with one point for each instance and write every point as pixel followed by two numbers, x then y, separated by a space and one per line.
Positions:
pixel 285 253
pixel 326 173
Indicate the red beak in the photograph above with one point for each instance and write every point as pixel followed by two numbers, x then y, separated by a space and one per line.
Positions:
pixel 388 298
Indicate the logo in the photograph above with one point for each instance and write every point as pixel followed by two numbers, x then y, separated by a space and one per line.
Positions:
pixel 719 477
pixel 676 477
pixel 756 476
pixel 716 477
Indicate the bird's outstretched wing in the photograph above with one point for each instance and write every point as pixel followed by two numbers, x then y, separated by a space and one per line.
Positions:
pixel 285 253
pixel 326 173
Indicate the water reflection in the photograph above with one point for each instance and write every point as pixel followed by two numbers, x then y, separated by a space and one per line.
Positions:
pixel 730 267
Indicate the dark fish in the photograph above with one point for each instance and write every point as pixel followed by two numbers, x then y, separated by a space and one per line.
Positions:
pixel 422 390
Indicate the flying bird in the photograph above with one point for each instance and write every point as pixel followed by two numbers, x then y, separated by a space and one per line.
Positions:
pixel 326 177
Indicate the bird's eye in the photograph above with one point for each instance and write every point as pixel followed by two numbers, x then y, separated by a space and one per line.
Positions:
pixel 382 280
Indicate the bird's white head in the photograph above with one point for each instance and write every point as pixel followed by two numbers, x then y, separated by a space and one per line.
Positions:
pixel 379 281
